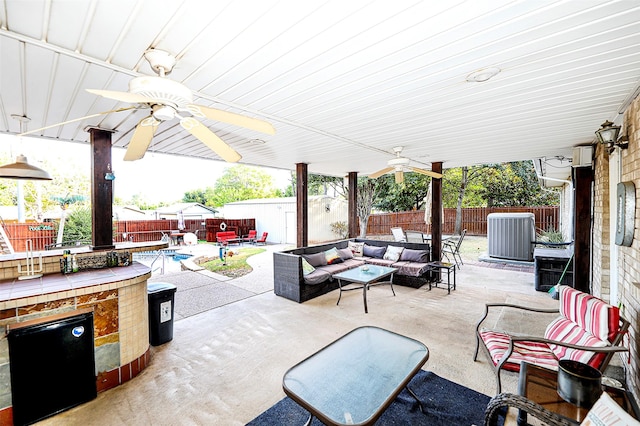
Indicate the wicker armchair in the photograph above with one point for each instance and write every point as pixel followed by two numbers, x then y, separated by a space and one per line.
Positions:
pixel 508 400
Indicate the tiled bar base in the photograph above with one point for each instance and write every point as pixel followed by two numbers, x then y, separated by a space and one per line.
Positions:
pixel 118 298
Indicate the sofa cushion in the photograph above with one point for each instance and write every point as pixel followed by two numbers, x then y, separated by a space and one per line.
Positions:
pixel 411 269
pixel 316 277
pixel 345 253
pixel 381 262
pixel 316 259
pixel 332 256
pixel 306 267
pixel 393 253
pixel 532 352
pixel 411 255
pixel 374 251
pixel 356 248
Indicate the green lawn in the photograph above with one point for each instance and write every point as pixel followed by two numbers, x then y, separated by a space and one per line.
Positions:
pixel 236 264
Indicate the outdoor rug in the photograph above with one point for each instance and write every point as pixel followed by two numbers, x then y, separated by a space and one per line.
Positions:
pixel 444 402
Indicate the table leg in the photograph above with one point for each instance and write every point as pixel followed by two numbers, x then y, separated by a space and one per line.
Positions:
pixel 309 420
pixel 364 296
pixel 340 294
pixel 416 398
pixel 391 284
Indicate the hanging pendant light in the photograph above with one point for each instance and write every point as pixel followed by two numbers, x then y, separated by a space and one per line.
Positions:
pixel 21 169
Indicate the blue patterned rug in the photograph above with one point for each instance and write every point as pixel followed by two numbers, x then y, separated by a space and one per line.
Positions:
pixel 445 403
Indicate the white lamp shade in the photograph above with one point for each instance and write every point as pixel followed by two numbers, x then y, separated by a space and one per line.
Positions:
pixel 21 169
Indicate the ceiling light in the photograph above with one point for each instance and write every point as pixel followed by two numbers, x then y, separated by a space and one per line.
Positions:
pixel 21 169
pixel 483 75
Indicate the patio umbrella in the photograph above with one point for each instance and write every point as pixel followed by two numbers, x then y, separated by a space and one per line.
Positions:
pixel 180 220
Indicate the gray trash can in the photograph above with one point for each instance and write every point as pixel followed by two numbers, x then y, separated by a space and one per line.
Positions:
pixel 161 298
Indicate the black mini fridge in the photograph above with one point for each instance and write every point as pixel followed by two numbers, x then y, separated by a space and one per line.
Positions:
pixel 52 366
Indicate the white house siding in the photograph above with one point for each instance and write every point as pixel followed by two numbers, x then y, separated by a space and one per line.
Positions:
pixel 277 216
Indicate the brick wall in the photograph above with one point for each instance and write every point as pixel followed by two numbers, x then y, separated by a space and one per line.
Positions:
pixel 628 267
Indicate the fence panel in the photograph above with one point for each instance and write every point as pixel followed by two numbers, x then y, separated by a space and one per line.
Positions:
pixel 474 220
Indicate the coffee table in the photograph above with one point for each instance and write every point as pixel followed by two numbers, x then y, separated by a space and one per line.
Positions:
pixel 354 379
pixel 540 385
pixel 367 277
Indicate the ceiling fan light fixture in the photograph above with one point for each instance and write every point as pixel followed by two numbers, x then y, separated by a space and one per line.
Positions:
pixel 483 75
pixel 163 112
pixel 21 169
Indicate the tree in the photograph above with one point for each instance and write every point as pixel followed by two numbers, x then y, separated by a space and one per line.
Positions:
pixel 239 183
pixel 195 196
pixel 408 195
pixel 64 202
pixel 78 227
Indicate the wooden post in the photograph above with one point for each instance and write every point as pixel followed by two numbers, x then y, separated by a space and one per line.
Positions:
pixel 101 190
pixel 582 180
pixel 436 213
pixel 353 205
pixel 302 206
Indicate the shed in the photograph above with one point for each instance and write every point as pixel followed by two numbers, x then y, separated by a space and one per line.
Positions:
pixel 188 210
pixel 277 216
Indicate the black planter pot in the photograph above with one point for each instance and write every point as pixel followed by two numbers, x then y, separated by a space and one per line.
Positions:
pixel 579 383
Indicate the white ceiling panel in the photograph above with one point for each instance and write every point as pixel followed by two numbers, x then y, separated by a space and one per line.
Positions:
pixel 343 82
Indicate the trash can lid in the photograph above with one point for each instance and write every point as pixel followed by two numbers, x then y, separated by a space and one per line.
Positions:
pixel 157 287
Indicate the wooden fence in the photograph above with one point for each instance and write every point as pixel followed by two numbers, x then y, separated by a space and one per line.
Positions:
pixel 43 235
pixel 474 220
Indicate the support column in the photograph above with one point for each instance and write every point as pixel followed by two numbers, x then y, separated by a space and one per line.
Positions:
pixel 353 205
pixel 101 190
pixel 582 181
pixel 302 205
pixel 436 213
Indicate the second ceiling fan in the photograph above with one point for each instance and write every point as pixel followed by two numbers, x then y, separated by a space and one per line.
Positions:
pixel 399 165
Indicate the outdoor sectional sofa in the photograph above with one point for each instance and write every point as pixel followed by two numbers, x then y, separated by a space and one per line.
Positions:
pixel 291 282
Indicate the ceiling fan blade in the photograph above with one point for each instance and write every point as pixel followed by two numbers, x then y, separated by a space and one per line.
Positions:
pixel 232 118
pixel 131 98
pixel 141 138
pixel 210 139
pixel 76 119
pixel 399 176
pixel 427 172
pixel 381 172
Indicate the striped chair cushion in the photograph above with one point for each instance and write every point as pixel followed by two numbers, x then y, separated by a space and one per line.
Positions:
pixel 534 353
pixel 567 331
pixel 590 313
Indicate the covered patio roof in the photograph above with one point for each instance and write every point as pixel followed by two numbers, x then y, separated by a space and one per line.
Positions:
pixel 343 83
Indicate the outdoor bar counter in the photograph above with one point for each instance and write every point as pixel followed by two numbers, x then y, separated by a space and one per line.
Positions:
pixel 117 295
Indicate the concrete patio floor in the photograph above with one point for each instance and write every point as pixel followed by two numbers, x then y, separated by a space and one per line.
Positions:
pixel 224 365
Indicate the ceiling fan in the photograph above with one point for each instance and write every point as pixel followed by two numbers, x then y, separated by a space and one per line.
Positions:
pixel 168 99
pixel 399 165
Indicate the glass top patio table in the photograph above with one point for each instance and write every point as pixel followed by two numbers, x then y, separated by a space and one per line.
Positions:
pixel 354 379
pixel 365 275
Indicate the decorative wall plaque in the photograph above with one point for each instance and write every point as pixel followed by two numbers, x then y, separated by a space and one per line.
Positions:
pixel 625 213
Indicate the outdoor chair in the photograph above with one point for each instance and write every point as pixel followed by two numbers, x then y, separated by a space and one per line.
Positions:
pixel 414 237
pixel 250 237
pixel 452 247
pixel 263 239
pixel 398 234
pixel 588 330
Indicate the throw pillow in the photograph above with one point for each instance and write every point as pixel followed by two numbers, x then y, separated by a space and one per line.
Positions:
pixel 332 256
pixel 410 255
pixel 393 253
pixel 607 412
pixel 345 253
pixel 374 251
pixel 316 259
pixel 306 267
pixel 356 248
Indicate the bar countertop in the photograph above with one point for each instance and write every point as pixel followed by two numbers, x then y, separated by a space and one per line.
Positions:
pixel 32 290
